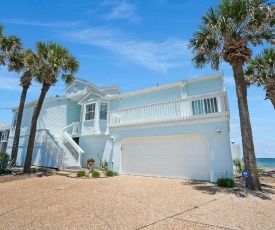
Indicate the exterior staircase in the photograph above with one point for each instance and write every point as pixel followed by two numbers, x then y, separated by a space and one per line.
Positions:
pixel 65 153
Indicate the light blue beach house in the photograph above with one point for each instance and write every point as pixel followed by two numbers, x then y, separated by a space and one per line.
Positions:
pixel 176 130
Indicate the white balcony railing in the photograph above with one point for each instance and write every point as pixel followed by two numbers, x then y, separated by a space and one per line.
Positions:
pixel 208 105
pixel 72 129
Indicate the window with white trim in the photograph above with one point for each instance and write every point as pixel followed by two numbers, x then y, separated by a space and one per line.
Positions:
pixel 4 136
pixel 14 119
pixel 103 111
pixel 90 112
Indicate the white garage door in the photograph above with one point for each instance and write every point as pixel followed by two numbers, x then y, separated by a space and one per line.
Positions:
pixel 167 156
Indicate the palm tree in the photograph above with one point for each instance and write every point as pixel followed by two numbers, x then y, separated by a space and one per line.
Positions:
pixel 1 38
pixel 12 54
pixel 17 64
pixel 261 72
pixel 8 45
pixel 225 34
pixel 49 62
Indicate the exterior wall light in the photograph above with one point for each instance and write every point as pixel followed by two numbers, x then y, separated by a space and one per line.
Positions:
pixel 112 138
pixel 219 132
pixel 232 142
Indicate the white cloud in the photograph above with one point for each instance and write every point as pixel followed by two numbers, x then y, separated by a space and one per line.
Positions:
pixel 123 10
pixel 161 56
pixel 9 80
pixel 57 24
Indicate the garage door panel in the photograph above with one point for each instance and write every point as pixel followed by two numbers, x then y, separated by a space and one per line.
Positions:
pixel 174 157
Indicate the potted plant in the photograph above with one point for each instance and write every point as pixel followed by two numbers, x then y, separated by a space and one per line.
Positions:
pixel 90 161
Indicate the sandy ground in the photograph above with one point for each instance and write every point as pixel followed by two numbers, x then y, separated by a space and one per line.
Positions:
pixel 44 200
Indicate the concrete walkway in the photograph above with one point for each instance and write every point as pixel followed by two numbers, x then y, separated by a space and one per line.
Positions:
pixel 126 202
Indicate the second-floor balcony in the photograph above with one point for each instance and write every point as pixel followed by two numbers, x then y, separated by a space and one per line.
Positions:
pixel 196 107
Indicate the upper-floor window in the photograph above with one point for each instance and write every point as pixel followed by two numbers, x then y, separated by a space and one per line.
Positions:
pixel 90 112
pixel 4 135
pixel 14 119
pixel 103 111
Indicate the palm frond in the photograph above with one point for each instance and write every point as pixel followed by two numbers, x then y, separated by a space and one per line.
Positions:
pixel 226 32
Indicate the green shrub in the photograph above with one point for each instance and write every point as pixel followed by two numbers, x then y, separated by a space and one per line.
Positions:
pixel 3 155
pixel 225 182
pixel 80 173
pixel 110 173
pixel 238 163
pixel 95 174
pixel 6 163
pixel 260 171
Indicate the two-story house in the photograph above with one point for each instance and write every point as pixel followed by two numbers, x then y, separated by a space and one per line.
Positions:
pixel 176 130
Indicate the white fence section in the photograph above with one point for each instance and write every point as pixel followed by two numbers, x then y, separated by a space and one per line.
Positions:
pixel 183 109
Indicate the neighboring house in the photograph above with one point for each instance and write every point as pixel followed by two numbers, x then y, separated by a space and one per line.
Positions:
pixel 4 135
pixel 176 130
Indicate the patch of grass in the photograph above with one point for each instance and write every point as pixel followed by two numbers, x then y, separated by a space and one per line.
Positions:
pixel 110 173
pixel 80 173
pixel 225 182
pixel 95 174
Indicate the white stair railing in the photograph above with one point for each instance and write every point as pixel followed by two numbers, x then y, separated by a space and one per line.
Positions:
pixel 45 138
pixel 74 149
pixel 72 129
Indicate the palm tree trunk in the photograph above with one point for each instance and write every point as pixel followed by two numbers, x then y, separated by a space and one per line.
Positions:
pixel 252 182
pixel 270 93
pixel 18 124
pixel 28 160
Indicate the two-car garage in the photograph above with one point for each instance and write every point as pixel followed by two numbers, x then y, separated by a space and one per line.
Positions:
pixel 184 156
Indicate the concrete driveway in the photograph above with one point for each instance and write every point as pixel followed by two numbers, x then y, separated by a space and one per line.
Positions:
pixel 126 202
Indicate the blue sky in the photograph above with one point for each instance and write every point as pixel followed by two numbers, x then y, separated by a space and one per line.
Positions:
pixel 131 44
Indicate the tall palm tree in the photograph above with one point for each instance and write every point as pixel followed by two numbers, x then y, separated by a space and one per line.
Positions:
pixel 17 64
pixel 261 72
pixel 12 54
pixel 48 63
pixel 225 34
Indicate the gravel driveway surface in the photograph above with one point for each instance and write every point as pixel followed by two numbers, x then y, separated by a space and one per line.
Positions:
pixel 127 202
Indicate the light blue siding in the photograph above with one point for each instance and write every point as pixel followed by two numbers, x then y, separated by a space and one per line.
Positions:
pixel 91 98
pixel 92 146
pixel 102 126
pixel 219 146
pixel 77 88
pixel 202 87
pixel 114 105
pixel 56 115
pixel 147 98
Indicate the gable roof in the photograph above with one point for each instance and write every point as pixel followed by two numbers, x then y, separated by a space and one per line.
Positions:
pixel 97 88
